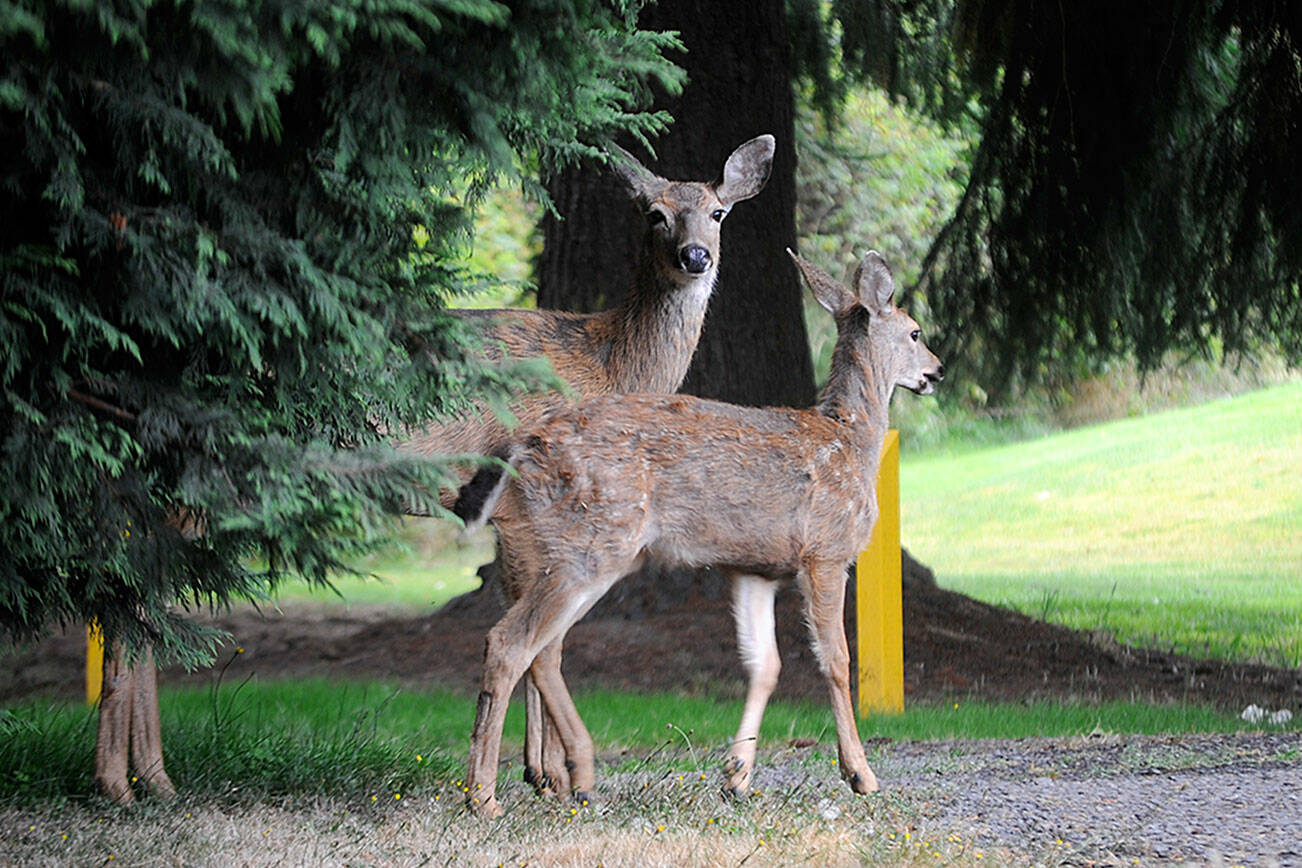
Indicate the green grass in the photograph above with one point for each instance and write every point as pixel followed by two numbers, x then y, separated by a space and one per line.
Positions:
pixel 264 740
pixel 432 566
pixel 319 772
pixel 1182 529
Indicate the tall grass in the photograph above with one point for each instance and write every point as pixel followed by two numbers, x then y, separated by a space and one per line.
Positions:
pixel 1182 529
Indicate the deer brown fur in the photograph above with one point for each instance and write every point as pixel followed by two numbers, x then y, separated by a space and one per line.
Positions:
pixel 764 494
pixel 643 345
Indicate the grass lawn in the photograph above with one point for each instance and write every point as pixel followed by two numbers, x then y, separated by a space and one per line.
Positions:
pixel 1182 529
pixel 433 566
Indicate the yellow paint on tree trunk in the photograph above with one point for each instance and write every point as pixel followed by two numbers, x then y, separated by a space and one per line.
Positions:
pixel 94 662
pixel 879 598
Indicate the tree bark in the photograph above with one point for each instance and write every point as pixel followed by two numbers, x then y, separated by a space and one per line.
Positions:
pixel 129 725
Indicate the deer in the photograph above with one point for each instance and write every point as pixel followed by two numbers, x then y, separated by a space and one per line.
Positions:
pixel 764 494
pixel 644 344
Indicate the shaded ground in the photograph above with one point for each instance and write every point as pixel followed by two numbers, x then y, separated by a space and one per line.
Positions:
pixel 954 647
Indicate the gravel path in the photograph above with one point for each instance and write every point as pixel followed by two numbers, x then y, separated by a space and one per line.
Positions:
pixel 1113 800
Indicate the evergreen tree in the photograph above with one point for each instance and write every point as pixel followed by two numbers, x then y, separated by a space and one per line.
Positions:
pixel 1135 189
pixel 226 235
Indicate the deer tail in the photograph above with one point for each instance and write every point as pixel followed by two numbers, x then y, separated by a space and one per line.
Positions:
pixel 478 498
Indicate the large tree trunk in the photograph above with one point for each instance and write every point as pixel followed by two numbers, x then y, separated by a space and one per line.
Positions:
pixel 754 349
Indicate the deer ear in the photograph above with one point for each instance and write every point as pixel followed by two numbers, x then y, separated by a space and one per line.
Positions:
pixel 830 294
pixel 873 283
pixel 641 181
pixel 747 170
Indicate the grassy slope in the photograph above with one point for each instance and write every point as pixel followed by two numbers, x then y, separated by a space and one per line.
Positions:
pixel 1182 528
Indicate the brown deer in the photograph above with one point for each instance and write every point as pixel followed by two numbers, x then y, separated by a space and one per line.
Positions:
pixel 764 494
pixel 643 345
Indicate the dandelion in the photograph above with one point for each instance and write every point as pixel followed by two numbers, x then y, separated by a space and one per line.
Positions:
pixel 397 796
pixel 660 828
pixel 374 798
pixel 419 758
pixel 239 649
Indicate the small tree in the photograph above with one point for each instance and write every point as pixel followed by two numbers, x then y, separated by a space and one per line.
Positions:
pixel 226 236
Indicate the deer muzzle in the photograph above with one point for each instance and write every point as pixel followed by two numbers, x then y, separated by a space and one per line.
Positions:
pixel 694 259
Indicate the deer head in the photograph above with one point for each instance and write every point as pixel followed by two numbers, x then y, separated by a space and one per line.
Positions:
pixel 871 331
pixel 684 218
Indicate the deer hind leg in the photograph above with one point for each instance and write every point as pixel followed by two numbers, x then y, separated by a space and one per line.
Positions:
pixel 824 591
pixel 535 620
pixel 567 751
pixel 752 610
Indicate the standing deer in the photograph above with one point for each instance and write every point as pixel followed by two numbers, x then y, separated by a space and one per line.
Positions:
pixel 764 494
pixel 643 345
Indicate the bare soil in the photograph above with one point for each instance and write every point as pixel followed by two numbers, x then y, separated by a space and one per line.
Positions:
pixel 954 647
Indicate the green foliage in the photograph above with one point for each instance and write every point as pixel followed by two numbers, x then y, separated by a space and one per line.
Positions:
pixel 1135 188
pixel 214 309
pixel 878 176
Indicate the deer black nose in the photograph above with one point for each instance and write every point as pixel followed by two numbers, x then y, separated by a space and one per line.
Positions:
pixel 938 375
pixel 694 258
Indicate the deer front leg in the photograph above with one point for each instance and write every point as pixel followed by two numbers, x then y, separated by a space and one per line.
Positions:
pixel 752 610
pixel 824 590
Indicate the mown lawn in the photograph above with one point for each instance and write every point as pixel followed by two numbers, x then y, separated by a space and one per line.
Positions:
pixel 1182 529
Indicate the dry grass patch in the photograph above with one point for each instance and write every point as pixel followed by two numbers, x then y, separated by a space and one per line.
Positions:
pixel 645 818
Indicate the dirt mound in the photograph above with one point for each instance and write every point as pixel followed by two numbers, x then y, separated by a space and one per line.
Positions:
pixel 955 647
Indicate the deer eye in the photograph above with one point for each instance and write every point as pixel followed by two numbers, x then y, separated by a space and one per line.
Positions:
pixel 655 217
pixel 718 214
pixel 914 335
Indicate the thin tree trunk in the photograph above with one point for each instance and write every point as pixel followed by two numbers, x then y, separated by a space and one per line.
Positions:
pixel 129 725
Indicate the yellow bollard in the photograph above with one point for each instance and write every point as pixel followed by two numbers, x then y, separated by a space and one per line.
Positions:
pixel 94 662
pixel 879 600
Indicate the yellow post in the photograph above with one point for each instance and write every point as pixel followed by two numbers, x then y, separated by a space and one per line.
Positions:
pixel 94 662
pixel 879 600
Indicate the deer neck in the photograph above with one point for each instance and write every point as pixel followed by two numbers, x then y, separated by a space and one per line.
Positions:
pixel 656 329
pixel 858 394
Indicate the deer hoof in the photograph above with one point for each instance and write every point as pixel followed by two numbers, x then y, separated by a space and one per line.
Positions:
pixel 543 784
pixel 862 784
pixel 735 792
pixel 581 798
